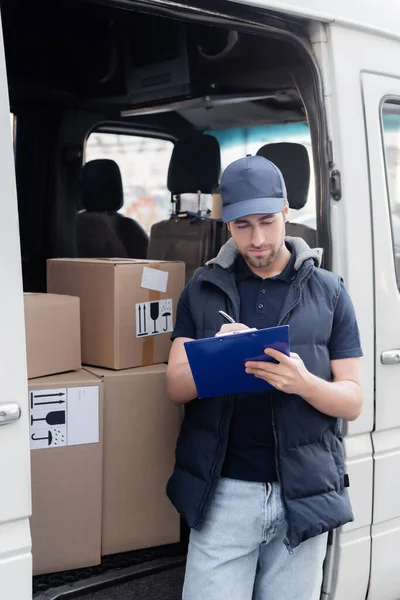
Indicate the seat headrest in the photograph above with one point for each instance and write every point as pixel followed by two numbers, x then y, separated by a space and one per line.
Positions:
pixel 102 186
pixel 195 165
pixel 293 162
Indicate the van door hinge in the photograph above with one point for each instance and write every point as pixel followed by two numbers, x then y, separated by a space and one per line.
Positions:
pixel 335 185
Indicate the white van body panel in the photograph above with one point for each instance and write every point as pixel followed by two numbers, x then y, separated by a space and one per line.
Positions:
pixel 382 17
pixel 385 572
pixel 348 561
pixel 363 255
pixel 15 503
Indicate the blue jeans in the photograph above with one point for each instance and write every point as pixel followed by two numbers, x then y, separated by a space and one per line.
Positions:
pixel 239 554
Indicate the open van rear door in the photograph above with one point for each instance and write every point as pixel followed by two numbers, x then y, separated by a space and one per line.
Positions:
pixel 15 542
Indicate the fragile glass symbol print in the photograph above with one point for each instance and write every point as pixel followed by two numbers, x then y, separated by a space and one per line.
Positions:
pixel 154 318
pixel 48 418
pixel 64 417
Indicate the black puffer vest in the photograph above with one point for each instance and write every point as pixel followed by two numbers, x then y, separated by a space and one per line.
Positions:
pixel 309 449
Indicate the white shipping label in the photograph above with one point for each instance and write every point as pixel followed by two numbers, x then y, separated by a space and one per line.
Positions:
pixel 154 318
pixel 64 417
pixel 154 279
pixel 83 415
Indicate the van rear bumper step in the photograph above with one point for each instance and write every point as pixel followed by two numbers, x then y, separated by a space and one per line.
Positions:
pixel 112 578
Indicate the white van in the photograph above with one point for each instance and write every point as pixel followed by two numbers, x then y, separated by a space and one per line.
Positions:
pixel 81 78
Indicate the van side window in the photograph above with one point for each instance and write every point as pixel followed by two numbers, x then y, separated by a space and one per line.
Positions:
pixel 143 162
pixel 391 142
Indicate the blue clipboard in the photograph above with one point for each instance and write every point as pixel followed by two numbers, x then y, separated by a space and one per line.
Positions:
pixel 217 363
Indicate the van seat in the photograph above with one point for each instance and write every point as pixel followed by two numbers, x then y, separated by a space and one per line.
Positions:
pixel 101 231
pixel 292 160
pixel 193 238
pixel 195 165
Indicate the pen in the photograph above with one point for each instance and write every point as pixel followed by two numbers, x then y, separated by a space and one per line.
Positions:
pixel 227 317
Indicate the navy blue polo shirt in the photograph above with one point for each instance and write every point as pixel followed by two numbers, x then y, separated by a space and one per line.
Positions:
pixel 250 453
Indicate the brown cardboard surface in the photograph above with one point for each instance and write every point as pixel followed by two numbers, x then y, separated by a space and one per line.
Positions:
pixel 216 208
pixel 141 426
pixel 109 290
pixel 66 494
pixel 53 337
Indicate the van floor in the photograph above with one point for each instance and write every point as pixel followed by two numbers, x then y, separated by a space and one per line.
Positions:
pixel 151 573
pixel 162 586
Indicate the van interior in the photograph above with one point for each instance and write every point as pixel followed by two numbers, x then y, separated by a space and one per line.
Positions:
pixel 123 115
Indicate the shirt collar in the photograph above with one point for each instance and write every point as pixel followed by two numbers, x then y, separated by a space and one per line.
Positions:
pixel 243 271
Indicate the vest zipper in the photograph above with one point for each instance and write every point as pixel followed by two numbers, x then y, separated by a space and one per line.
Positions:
pixel 286 540
pixel 287 314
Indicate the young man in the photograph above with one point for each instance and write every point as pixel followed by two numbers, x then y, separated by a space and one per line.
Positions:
pixel 260 477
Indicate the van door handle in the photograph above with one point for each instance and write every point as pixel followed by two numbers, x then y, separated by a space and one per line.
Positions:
pixel 390 357
pixel 9 412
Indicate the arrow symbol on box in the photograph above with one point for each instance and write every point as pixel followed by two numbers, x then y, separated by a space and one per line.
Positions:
pixel 49 395
pixel 53 402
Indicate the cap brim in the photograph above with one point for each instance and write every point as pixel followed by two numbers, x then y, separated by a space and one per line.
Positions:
pixel 256 206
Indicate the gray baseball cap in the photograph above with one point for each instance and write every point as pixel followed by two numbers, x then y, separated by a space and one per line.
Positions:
pixel 252 185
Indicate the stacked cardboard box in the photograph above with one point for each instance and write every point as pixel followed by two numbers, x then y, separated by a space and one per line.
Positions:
pixel 140 430
pixel 127 315
pixel 127 307
pixel 103 437
pixel 66 466
pixel 65 406
pixel 53 338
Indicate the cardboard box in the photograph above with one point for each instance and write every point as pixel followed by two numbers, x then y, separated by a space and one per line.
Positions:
pixel 141 427
pixel 53 336
pixel 66 468
pixel 117 302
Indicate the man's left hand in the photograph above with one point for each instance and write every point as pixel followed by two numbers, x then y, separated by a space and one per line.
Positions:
pixel 289 376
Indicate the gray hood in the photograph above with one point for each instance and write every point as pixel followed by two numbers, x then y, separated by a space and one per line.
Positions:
pixel 229 253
